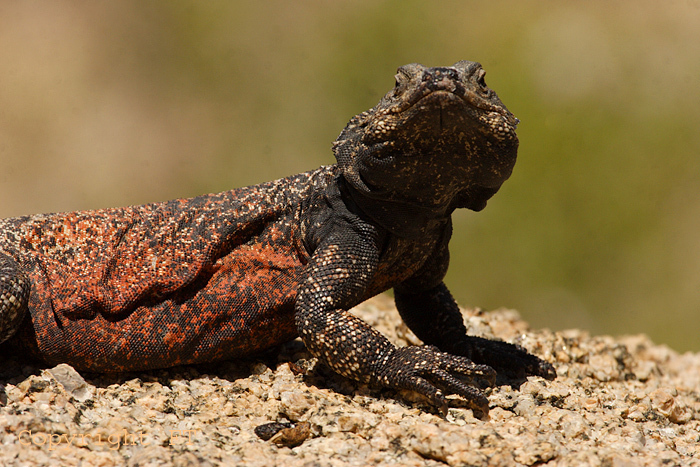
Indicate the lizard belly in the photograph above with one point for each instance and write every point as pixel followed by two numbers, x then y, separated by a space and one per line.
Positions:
pixel 246 306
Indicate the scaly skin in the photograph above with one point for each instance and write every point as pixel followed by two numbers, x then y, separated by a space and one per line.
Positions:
pixel 226 275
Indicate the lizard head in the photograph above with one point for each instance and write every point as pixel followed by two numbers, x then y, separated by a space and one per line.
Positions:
pixel 440 138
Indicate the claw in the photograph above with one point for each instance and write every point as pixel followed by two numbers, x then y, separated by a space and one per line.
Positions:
pixel 546 370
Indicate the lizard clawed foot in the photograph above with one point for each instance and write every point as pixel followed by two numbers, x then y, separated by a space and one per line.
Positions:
pixel 506 358
pixel 432 373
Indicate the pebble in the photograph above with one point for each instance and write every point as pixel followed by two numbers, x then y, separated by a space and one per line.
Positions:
pixel 617 402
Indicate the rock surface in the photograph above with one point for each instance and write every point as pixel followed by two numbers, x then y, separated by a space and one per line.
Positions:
pixel 617 402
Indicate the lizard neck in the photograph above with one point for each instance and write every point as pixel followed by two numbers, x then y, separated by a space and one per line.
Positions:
pixel 401 218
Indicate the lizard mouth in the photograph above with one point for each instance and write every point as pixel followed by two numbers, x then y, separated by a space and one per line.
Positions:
pixel 469 98
pixel 445 110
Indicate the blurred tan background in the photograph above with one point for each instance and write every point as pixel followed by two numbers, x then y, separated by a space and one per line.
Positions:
pixel 114 103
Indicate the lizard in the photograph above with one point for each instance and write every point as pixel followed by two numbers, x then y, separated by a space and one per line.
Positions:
pixel 227 275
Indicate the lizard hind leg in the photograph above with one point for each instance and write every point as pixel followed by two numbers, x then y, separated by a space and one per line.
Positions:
pixel 14 295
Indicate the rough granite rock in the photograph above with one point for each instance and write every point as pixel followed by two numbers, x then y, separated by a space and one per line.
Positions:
pixel 616 402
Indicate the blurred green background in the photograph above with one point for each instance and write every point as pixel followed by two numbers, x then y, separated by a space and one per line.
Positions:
pixel 114 103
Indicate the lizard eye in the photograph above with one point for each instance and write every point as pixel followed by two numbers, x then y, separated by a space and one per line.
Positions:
pixel 482 82
pixel 399 84
pixel 401 77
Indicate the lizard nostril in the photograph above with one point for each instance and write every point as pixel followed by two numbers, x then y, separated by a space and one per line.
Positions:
pixel 441 77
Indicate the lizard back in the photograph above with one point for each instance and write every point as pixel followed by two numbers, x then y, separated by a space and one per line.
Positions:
pixel 146 276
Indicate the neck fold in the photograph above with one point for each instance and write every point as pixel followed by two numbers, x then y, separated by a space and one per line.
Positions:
pixel 401 218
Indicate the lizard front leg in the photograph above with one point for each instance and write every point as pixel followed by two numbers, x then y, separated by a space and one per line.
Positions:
pixel 340 271
pixel 14 295
pixel 428 309
pixel 433 315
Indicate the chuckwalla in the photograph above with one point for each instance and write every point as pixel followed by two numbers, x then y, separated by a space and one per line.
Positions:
pixel 225 275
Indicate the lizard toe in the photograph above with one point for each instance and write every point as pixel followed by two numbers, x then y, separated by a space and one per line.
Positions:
pixel 507 358
pixel 432 373
pixel 451 385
